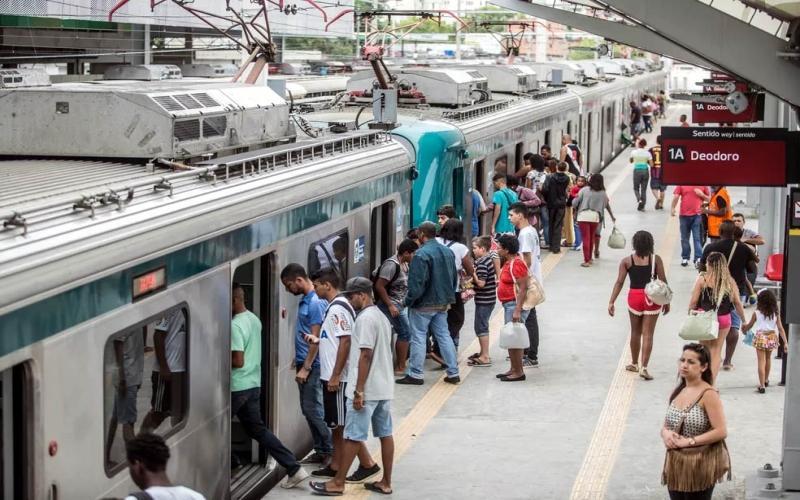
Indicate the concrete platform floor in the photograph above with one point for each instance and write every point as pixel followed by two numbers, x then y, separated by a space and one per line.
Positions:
pixel 580 427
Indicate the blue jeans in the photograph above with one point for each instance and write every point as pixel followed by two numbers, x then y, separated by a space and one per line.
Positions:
pixel 508 312
pixel 690 226
pixel 578 237
pixel 246 405
pixel 312 408
pixel 400 324
pixel 545 225
pixel 437 320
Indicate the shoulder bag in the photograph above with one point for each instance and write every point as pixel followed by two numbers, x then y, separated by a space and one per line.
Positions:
pixel 657 291
pixel 534 295
pixel 588 215
pixel 696 468
pixel 701 325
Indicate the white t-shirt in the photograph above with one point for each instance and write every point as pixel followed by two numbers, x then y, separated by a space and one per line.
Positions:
pixel 640 158
pixel 460 250
pixel 170 493
pixel 338 323
pixel 175 343
pixel 529 243
pixel 372 331
pixel 648 104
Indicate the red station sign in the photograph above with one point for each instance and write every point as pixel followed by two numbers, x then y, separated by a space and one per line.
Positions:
pixel 706 112
pixel 704 156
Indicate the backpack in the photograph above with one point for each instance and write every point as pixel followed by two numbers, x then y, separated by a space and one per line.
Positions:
pixel 376 273
pixel 141 495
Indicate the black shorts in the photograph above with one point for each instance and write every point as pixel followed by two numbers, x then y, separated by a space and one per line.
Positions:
pixel 334 405
pixel 657 185
pixel 167 395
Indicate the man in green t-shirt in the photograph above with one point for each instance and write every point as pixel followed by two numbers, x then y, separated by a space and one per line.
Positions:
pixel 503 198
pixel 246 387
pixel 642 162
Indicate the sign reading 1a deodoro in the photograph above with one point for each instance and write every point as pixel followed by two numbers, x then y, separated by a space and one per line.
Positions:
pixel 705 156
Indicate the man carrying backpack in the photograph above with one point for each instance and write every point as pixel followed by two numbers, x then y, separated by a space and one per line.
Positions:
pixel 390 282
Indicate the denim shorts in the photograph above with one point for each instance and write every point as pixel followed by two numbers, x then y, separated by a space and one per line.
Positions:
pixel 125 405
pixel 508 310
pixel 400 324
pixel 736 321
pixel 356 427
pixel 482 314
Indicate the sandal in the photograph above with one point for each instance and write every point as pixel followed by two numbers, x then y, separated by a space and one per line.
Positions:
pixel 474 355
pixel 377 489
pixel 586 264
pixel 506 378
pixel 319 488
pixel 645 374
pixel 478 362
pixel 632 368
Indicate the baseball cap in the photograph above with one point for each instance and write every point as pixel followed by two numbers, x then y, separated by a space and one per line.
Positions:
pixel 358 285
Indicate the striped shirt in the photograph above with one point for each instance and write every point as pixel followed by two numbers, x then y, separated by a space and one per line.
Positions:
pixel 484 268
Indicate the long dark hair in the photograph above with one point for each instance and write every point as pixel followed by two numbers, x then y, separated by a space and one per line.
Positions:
pixel 643 243
pixel 705 359
pixel 767 304
pixel 453 230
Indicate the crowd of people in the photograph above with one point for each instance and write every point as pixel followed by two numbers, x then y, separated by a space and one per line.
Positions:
pixel 356 339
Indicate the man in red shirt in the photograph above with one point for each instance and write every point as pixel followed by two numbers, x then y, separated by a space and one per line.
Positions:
pixel 691 203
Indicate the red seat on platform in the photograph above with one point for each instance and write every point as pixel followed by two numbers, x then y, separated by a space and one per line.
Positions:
pixel 774 269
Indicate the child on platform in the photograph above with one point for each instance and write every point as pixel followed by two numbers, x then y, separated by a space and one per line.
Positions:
pixel 766 322
pixel 485 282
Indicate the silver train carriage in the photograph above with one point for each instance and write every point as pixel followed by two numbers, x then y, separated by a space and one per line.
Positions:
pixel 95 252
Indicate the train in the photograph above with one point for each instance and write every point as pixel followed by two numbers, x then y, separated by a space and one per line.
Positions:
pixel 128 202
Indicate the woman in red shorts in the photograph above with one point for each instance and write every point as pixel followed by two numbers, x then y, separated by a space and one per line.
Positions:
pixel 643 313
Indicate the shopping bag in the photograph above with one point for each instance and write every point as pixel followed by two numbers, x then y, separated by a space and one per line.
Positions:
pixel 514 336
pixel 616 240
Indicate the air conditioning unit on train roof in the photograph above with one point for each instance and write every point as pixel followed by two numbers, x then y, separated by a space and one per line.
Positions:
pixel 592 70
pixel 570 72
pixel 453 87
pixel 143 72
pixel 509 78
pixel 177 119
pixel 208 70
pixel 19 78
pixel 613 68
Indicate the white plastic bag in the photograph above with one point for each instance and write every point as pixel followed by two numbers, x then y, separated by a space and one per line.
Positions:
pixel 616 240
pixel 514 336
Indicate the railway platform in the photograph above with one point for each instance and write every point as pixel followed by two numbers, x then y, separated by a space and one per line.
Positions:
pixel 580 427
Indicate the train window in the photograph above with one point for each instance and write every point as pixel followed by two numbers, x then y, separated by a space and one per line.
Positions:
pixel 15 432
pixel 547 139
pixel 132 404
pixel 458 190
pixel 330 252
pixel 569 128
pixel 382 233
pixel 518 154
pixel 609 120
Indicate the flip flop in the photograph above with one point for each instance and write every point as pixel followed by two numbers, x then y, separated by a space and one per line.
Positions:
pixel 474 355
pixel 319 489
pixel 376 489
pixel 478 362
pixel 632 368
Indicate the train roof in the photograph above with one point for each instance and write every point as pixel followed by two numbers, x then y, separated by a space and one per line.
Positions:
pixel 71 221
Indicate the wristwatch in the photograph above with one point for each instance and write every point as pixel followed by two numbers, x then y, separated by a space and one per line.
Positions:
pixel 692 441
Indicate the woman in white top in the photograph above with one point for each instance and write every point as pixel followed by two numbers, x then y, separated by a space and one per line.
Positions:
pixel 451 236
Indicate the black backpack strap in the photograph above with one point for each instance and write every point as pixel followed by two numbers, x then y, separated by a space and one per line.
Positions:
pixel 344 303
pixel 141 495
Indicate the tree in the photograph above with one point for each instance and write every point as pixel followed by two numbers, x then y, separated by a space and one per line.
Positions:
pixel 585 49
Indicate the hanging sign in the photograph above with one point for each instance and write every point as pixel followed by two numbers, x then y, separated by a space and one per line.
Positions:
pixel 707 112
pixel 705 156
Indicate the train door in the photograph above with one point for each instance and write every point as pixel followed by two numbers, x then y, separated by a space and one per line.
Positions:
pixel 257 278
pixel 16 422
pixel 382 233
pixel 518 155
pixel 481 185
pixel 459 193
pixel 589 140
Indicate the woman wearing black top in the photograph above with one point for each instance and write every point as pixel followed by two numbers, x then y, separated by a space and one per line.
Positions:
pixel 642 266
pixel 715 289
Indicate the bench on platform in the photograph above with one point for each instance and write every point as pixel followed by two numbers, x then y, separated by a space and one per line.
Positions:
pixel 773 274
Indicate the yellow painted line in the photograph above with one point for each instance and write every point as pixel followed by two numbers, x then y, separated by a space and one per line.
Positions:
pixel 794 232
pixel 592 480
pixel 426 408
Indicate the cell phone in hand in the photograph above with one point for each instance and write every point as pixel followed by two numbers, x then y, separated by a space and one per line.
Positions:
pixel 310 338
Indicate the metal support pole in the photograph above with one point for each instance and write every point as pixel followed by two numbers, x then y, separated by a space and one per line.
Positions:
pixel 148 42
pixel 791 409
pixel 458 33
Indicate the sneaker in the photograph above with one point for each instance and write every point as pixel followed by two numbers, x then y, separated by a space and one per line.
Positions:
pixel 363 474
pixel 529 363
pixel 684 262
pixel 292 481
pixel 316 458
pixel 645 374
pixel 577 248
pixel 409 380
pixel 640 207
pixel 453 380
pixel 324 472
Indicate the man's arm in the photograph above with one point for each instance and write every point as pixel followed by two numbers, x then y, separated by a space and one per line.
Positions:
pixel 755 240
pixel 159 338
pixel 364 364
pixel 675 199
pixel 417 279
pixel 313 343
pixel 341 359
pixel 237 347
pixel 237 359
